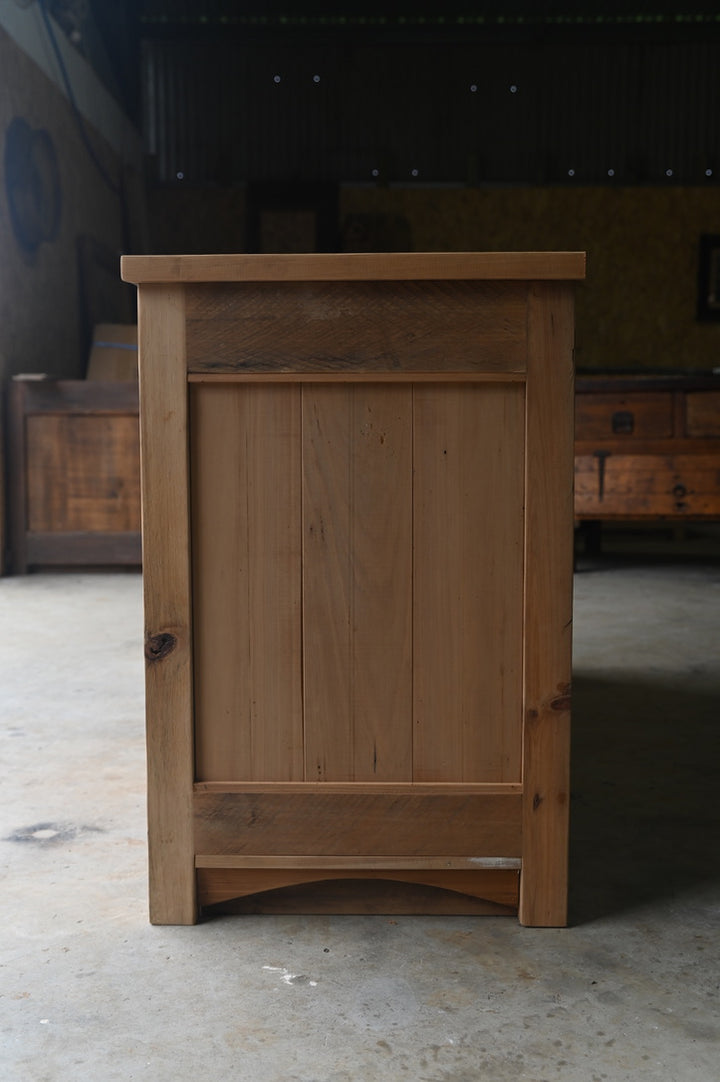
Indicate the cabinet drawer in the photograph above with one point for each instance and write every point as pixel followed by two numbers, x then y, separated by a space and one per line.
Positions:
pixel 615 416
pixel 702 413
pixel 637 486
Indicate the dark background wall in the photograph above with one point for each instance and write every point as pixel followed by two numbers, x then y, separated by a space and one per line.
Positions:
pixel 71 197
pixel 585 126
pixel 597 104
pixel 290 126
pixel 637 308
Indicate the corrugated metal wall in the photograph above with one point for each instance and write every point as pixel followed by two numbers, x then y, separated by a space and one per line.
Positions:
pixel 546 112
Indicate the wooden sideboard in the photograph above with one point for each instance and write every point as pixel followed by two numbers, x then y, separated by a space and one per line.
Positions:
pixel 357 529
pixel 647 447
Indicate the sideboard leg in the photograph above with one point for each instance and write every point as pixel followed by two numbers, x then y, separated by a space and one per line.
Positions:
pixel 548 608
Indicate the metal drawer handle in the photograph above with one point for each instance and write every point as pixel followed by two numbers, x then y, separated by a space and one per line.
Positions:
pixel 601 456
pixel 623 422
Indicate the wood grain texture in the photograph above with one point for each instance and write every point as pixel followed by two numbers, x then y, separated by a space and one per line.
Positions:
pixel 166 579
pixel 74 486
pixel 702 413
pixel 359 822
pixel 648 485
pixel 357 582
pixel 661 448
pixel 434 713
pixel 665 467
pixel 83 473
pixel 247 541
pixel 355 863
pixel 548 607
pixel 357 326
pixel 393 789
pixel 355 266
pixel 345 376
pixel 637 416
pixel 468 582
pixel 498 889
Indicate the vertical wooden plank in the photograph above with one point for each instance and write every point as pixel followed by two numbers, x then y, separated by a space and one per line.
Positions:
pixel 548 605
pixel 221 560
pixel 357 582
pixel 166 579
pixel 327 583
pixel 382 582
pixel 469 483
pixel 247 582
pixel 274 447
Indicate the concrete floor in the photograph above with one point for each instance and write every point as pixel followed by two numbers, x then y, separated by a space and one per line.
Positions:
pixel 90 991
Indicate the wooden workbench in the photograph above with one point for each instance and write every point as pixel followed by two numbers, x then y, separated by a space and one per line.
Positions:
pixel 647 447
pixel 357 529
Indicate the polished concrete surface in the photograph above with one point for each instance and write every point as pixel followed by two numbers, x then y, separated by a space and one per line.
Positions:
pixel 631 990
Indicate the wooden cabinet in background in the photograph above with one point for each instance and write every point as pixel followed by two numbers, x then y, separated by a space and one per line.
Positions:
pixel 357 515
pixel 647 448
pixel 74 473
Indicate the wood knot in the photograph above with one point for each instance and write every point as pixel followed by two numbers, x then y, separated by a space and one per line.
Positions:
pixel 563 702
pixel 537 801
pixel 159 646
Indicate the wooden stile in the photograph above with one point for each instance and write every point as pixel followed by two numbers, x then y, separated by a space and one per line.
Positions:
pixel 357 519
pixel 548 607
pixel 167 601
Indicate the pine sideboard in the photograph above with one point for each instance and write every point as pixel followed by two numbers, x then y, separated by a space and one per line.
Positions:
pixel 357 486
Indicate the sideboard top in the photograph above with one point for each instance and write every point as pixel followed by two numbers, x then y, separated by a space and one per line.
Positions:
pixel 353 266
